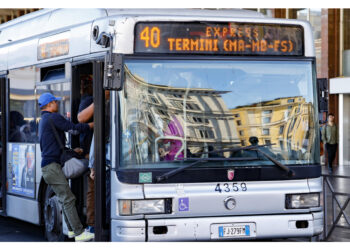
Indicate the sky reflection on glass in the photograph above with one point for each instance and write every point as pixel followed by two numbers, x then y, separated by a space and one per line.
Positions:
pixel 247 82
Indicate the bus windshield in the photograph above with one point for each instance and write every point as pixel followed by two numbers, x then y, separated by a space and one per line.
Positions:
pixel 173 111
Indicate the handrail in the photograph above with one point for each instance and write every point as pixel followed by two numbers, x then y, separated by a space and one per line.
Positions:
pixel 327 185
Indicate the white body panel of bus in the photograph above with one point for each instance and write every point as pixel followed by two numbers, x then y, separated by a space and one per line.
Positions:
pixel 19 47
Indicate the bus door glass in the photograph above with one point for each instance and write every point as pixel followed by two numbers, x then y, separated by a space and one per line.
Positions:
pixel 55 81
pixel 22 133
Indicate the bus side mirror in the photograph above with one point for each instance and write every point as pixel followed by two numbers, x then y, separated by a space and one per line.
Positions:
pixel 113 72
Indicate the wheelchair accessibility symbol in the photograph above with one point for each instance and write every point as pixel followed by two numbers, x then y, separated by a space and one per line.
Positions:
pixel 184 204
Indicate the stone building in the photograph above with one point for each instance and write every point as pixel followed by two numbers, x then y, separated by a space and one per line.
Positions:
pixel 9 14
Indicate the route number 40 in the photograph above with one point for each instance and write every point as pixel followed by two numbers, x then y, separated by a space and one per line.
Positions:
pixel 151 36
pixel 234 187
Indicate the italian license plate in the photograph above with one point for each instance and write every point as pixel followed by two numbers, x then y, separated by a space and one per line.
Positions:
pixel 234 231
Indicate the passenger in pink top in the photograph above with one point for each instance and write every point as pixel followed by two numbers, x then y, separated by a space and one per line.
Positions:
pixel 174 129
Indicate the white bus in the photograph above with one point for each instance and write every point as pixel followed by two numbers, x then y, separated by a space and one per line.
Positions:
pixel 213 131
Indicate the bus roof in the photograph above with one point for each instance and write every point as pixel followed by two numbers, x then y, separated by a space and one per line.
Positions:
pixel 53 19
pixel 20 38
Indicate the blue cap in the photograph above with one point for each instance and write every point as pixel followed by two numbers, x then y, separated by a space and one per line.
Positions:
pixel 46 98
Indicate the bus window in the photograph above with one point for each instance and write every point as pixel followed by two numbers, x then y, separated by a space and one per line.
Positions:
pixel 22 106
pixel 22 133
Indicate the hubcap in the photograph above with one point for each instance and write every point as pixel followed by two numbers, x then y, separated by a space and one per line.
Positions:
pixel 50 214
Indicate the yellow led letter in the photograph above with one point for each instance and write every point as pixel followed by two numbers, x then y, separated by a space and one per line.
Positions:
pixel 144 35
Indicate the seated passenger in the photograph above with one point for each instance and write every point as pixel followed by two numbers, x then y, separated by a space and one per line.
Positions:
pixel 254 141
pixel 26 133
pixel 162 153
pixel 189 154
pixel 174 129
pixel 16 121
pixel 213 155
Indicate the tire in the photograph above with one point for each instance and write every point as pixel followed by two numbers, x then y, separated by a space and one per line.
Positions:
pixel 52 214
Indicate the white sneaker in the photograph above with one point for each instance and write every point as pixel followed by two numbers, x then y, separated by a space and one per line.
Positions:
pixel 71 234
pixel 85 236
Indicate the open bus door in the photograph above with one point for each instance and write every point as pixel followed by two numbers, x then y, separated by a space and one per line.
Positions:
pixel 101 174
pixel 3 83
pixel 79 70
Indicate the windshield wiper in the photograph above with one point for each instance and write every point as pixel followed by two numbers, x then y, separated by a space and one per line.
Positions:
pixel 290 172
pixel 198 161
pixel 171 173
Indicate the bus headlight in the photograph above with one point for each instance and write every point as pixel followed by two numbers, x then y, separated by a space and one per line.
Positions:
pixel 306 200
pixel 133 207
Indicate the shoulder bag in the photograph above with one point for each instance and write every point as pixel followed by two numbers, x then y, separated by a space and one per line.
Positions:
pixel 74 164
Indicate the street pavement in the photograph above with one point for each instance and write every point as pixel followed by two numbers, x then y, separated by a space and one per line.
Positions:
pixel 12 230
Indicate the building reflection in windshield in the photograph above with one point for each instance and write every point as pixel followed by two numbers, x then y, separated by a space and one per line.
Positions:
pixel 163 123
pixel 283 122
pixel 179 121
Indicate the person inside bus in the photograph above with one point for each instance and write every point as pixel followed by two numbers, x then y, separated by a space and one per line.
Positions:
pixel 85 143
pixel 254 141
pixel 171 147
pixel 84 116
pixel 86 100
pixel 51 162
pixel 212 154
pixel 16 121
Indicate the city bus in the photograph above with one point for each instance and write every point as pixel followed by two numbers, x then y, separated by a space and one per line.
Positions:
pixel 212 122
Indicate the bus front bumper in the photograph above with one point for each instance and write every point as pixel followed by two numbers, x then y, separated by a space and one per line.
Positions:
pixel 210 228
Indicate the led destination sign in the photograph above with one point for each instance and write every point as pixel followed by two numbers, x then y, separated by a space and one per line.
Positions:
pixel 219 38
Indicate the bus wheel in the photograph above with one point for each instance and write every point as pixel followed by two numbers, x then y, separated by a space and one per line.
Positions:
pixel 52 217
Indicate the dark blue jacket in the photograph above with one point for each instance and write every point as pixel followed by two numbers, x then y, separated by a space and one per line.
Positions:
pixel 50 149
pixel 86 138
